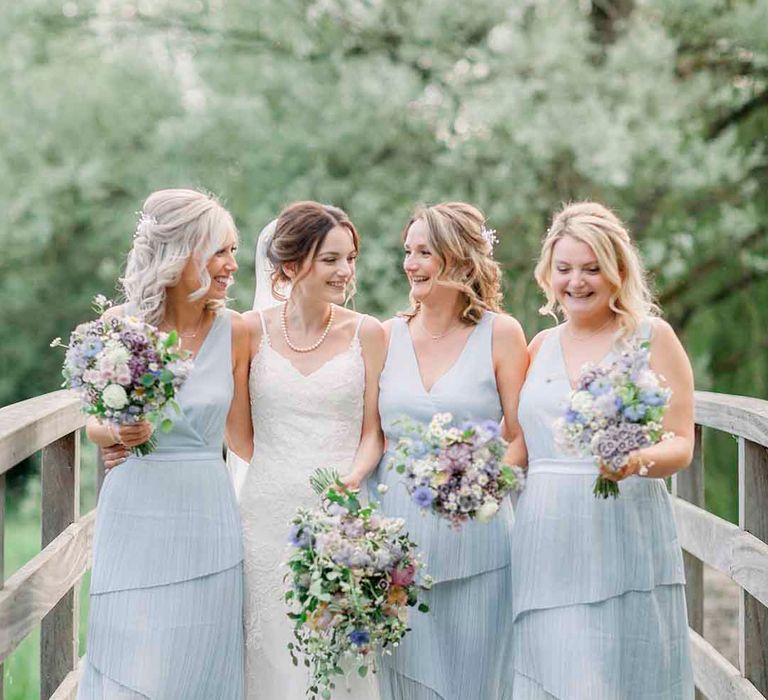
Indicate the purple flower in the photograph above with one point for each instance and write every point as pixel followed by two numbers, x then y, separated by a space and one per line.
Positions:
pixel 423 497
pixel 359 637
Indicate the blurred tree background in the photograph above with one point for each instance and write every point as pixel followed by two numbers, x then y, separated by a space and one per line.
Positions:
pixel 659 108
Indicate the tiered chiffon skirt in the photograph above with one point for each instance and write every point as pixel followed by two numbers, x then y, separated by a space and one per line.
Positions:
pixel 167 585
pixel 598 590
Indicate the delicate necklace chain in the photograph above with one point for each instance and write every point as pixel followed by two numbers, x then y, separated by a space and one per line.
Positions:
pixel 193 334
pixel 317 343
pixel 450 329
pixel 593 333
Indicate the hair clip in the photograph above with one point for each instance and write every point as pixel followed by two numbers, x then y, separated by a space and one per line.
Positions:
pixel 144 219
pixel 490 236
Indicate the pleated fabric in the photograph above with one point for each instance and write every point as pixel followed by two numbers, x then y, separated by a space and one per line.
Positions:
pixel 598 585
pixel 460 650
pixel 167 585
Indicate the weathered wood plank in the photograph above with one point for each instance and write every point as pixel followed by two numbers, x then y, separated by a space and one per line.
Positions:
pixel 28 426
pixel 743 416
pixel 715 676
pixel 60 508
pixel 724 546
pixel 37 586
pixel 753 518
pixel 689 485
pixel 68 688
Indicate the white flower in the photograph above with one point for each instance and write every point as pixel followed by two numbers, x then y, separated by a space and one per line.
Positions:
pixel 382 488
pixel 116 353
pixel 486 511
pixel 582 402
pixel 422 468
pixel 114 396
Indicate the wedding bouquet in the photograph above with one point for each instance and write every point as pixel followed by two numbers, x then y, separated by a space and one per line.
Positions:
pixel 457 472
pixel 352 578
pixel 615 409
pixel 125 371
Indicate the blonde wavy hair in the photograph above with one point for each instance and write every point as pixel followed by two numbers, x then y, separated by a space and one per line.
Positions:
pixel 174 224
pixel 455 236
pixel 597 226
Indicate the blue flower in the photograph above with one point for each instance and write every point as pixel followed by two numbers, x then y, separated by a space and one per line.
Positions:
pixel 492 427
pixel 422 497
pixel 635 412
pixel 571 416
pixel 359 637
pixel 653 398
pixel 600 386
pixel 418 449
pixel 298 536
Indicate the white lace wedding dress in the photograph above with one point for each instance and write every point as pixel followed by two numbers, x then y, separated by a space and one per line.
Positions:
pixel 300 423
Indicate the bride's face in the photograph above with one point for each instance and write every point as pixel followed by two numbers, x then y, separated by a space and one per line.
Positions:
pixel 328 275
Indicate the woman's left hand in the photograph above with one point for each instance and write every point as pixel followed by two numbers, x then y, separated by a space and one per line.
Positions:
pixel 351 481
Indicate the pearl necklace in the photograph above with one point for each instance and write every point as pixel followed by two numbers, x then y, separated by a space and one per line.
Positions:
pixel 309 348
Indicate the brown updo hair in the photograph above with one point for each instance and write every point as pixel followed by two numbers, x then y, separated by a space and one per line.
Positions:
pixel 300 230
pixel 455 236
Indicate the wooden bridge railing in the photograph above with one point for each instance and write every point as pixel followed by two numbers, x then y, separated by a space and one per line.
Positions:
pixel 740 551
pixel 45 589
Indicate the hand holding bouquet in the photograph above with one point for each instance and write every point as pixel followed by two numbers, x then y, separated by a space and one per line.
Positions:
pixel 352 579
pixel 614 410
pixel 125 371
pixel 457 472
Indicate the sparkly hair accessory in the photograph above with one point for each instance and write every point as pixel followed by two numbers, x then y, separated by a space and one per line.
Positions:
pixel 490 236
pixel 144 220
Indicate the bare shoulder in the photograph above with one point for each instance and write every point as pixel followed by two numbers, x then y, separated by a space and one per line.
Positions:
pixel 372 330
pixel 387 326
pixel 252 322
pixel 240 330
pixel 535 345
pixel 507 329
pixel 662 332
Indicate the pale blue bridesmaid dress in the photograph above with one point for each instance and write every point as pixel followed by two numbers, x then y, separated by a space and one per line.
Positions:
pixel 599 598
pixel 166 590
pixel 460 649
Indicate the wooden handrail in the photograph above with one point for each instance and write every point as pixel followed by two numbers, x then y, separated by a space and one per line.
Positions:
pixel 29 426
pixel 45 586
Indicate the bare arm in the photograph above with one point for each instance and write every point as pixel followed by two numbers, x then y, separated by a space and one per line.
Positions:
pixel 369 451
pixel 669 360
pixel 510 360
pixel 239 429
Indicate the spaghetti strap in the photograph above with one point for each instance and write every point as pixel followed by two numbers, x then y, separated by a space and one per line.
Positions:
pixel 265 334
pixel 357 328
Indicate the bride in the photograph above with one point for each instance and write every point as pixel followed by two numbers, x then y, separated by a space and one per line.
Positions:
pixel 314 402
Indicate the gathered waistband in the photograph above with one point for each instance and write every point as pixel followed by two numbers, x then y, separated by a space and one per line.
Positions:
pixel 575 466
pixel 186 455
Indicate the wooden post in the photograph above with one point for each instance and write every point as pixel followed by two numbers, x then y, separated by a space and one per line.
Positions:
pixel 2 560
pixel 60 508
pixel 689 485
pixel 753 517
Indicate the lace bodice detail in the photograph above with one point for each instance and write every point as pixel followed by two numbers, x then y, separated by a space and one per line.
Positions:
pixel 301 422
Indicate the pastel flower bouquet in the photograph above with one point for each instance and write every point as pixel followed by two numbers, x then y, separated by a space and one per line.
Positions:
pixel 457 472
pixel 353 576
pixel 615 409
pixel 125 371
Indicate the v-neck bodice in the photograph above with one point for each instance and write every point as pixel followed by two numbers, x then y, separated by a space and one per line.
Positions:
pixel 467 389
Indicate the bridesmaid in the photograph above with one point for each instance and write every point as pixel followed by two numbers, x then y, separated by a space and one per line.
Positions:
pixel 452 351
pixel 598 586
pixel 166 591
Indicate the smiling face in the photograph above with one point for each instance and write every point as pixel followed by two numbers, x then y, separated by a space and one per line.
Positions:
pixel 577 280
pixel 421 264
pixel 328 275
pixel 221 267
